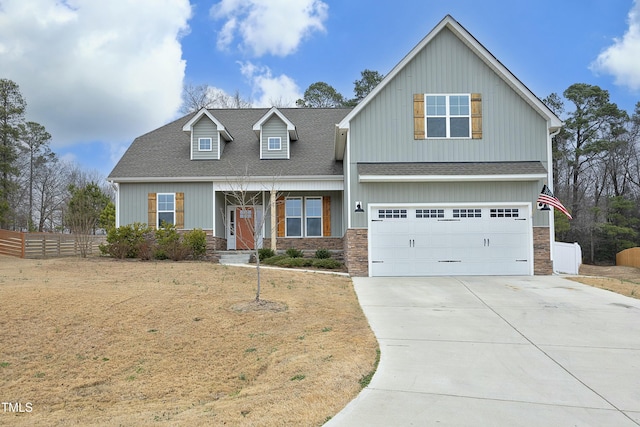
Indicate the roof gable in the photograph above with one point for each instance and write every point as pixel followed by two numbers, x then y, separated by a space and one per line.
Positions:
pixel 188 127
pixel 459 31
pixel 291 128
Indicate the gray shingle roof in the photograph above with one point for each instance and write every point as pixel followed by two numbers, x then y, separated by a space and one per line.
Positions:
pixel 451 169
pixel 165 152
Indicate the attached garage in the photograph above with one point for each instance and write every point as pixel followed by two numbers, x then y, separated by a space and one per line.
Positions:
pixel 434 240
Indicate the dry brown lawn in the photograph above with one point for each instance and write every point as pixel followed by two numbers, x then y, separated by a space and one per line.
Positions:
pixel 619 279
pixel 105 342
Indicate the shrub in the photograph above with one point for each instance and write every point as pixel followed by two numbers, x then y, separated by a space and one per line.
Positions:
pixel 274 259
pixel 124 241
pixel 294 262
pixel 265 253
pixel 196 241
pixel 323 253
pixel 327 263
pixel 294 253
pixel 167 239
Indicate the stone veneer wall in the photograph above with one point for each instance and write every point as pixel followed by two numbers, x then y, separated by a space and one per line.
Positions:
pixel 542 264
pixel 306 243
pixel 356 252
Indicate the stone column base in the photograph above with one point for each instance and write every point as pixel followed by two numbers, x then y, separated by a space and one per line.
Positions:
pixel 542 264
pixel 356 252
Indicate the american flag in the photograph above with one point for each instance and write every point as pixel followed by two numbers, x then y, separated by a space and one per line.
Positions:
pixel 546 197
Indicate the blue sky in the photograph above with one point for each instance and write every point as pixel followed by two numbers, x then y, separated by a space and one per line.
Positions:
pixel 98 74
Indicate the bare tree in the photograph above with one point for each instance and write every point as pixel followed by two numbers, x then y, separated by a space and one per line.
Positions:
pixel 253 216
pixel 195 98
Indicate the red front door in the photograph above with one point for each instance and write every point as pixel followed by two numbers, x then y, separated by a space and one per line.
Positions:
pixel 245 226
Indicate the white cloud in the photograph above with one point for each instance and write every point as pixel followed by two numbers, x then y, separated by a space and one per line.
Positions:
pixel 275 27
pixel 95 70
pixel 269 90
pixel 622 58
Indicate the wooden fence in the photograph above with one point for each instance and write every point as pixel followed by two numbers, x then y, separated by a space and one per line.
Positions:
pixel 45 245
pixel 629 257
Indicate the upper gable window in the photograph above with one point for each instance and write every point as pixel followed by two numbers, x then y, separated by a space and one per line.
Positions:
pixel 274 143
pixel 204 144
pixel 448 116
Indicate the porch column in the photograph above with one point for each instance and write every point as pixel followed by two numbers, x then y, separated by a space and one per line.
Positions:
pixel 274 221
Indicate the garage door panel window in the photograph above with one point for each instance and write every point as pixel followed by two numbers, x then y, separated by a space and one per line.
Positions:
pixel 429 213
pixel 505 213
pixel 392 213
pixel 467 213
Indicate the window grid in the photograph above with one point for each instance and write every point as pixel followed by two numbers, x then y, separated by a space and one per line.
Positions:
pixel 467 213
pixel 274 143
pixel 293 216
pixel 392 213
pixel 313 216
pixel 505 213
pixel 204 144
pixel 429 213
pixel 448 116
pixel 166 208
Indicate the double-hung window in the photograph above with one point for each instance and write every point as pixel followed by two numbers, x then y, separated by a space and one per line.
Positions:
pixel 204 144
pixel 166 208
pixel 303 217
pixel 313 215
pixel 293 212
pixel 274 143
pixel 448 116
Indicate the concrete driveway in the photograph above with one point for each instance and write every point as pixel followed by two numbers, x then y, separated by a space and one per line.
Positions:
pixel 498 351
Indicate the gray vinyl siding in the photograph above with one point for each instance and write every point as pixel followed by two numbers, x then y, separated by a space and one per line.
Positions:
pixel 198 202
pixel 205 128
pixel 274 127
pixel 220 213
pixel 384 131
pixel 450 192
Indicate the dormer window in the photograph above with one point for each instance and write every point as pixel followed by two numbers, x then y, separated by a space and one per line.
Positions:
pixel 207 136
pixel 275 143
pixel 204 144
pixel 275 133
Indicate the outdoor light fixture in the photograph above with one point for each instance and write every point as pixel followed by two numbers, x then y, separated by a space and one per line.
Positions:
pixel 543 207
pixel 359 207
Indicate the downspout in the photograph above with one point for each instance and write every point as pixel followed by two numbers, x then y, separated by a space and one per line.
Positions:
pixel 116 188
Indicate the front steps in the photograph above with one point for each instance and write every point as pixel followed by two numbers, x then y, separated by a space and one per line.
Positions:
pixel 234 257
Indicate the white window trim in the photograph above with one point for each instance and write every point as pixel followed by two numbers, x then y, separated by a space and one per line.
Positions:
pixel 210 144
pixel 158 211
pixel 447 116
pixel 306 216
pixel 269 143
pixel 286 216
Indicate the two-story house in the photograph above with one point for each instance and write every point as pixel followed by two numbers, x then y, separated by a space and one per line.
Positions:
pixel 435 172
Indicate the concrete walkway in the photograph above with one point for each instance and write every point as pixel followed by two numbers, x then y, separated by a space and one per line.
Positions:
pixel 498 351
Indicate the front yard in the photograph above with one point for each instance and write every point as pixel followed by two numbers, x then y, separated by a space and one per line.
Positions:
pixel 105 342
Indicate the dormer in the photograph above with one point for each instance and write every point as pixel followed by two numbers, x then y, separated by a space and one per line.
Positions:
pixel 206 136
pixel 275 133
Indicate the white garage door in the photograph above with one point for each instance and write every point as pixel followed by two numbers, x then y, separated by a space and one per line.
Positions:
pixel 441 241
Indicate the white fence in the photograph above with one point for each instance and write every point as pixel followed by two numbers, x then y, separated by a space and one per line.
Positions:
pixel 567 257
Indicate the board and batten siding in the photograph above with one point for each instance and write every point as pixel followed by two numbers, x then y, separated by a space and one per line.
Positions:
pixel 274 127
pixel 384 131
pixel 205 128
pixel 198 202
pixel 511 129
